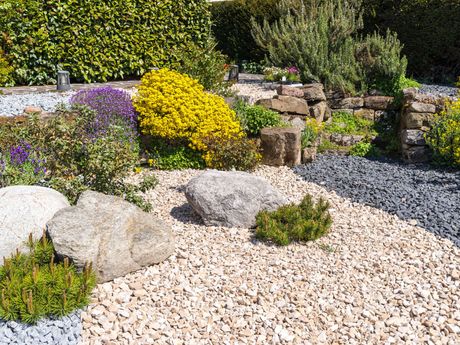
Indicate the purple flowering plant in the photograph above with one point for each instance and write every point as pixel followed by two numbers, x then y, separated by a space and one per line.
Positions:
pixel 112 107
pixel 21 164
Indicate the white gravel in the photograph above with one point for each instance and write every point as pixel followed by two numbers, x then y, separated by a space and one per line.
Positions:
pixel 12 105
pixel 253 92
pixel 375 279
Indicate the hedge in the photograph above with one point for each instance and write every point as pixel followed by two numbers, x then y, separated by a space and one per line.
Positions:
pixel 97 40
pixel 429 30
pixel 232 26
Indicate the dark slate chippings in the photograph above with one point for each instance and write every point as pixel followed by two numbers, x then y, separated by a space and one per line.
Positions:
pixel 63 331
pixel 432 197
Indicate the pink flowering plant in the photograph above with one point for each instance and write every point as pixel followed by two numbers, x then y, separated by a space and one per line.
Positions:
pixel 276 74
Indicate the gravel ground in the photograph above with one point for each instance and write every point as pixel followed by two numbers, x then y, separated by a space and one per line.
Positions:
pixel 439 90
pixel 62 331
pixel 253 91
pixel 412 192
pixel 12 105
pixel 375 279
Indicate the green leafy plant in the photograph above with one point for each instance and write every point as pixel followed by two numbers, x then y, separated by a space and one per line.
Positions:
pixel 444 136
pixel 205 64
pixel 115 40
pixel 255 117
pixel 5 70
pixel 173 156
pixel 238 154
pixel 77 160
pixel 311 133
pixel 346 123
pixel 35 285
pixel 305 222
pixel 327 145
pixel 252 67
pixel 321 39
pixel 364 149
pixel 382 62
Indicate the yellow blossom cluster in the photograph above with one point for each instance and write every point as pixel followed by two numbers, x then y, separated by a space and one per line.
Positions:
pixel 444 137
pixel 174 106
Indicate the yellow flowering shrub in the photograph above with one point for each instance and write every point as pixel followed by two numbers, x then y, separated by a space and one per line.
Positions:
pixel 174 106
pixel 444 137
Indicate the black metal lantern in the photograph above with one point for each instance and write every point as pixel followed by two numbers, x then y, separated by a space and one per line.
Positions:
pixel 63 81
pixel 234 73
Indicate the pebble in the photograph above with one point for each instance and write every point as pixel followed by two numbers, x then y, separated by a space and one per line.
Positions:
pixel 420 194
pixel 365 290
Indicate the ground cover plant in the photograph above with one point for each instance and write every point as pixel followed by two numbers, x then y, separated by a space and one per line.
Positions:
pixel 255 117
pixel 36 285
pixel 311 133
pixel 346 123
pixel 307 221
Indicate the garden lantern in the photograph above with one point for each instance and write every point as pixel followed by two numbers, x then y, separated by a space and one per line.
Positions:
pixel 63 81
pixel 234 73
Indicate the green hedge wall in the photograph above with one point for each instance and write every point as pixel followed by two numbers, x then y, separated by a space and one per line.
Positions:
pixel 232 26
pixel 429 30
pixel 97 40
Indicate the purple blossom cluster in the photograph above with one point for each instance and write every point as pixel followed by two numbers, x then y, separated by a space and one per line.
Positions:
pixel 112 107
pixel 22 155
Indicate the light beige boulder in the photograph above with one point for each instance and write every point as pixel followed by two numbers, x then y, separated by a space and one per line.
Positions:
pixel 113 234
pixel 25 210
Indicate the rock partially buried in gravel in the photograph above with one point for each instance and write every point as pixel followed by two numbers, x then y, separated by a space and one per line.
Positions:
pixel 25 210
pixel 231 199
pixel 113 234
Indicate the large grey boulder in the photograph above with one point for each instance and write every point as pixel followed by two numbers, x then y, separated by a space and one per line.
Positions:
pixel 25 210
pixel 231 199
pixel 113 234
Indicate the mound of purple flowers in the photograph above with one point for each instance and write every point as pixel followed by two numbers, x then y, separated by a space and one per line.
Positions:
pixel 112 107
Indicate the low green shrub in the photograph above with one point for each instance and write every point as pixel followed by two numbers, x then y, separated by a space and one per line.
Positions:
pixel 74 158
pixel 364 149
pixel 346 123
pixel 35 285
pixel 444 136
pixel 252 67
pixel 305 222
pixel 173 156
pixel 237 154
pixel 255 117
pixel 327 145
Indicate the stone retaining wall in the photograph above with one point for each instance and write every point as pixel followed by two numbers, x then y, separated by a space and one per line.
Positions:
pixel 417 115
